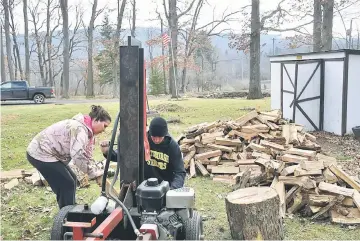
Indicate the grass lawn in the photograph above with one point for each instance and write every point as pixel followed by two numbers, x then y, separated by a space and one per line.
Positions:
pixel 27 211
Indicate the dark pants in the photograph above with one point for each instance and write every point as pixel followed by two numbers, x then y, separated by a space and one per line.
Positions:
pixel 60 177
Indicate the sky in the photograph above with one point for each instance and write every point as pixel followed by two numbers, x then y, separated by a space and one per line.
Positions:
pixel 146 12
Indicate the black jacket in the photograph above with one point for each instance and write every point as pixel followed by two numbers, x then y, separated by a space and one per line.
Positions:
pixel 166 162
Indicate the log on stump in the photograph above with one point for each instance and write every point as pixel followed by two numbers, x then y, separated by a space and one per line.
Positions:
pixel 253 214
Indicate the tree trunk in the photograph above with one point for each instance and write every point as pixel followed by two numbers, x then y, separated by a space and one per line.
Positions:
pixel 26 38
pixel 173 24
pixel 66 43
pixel 317 26
pixel 183 77
pixel 254 87
pixel 39 52
pixel 327 26
pixel 15 64
pixel 133 27
pixel 16 46
pixel 8 41
pixel 163 54
pixel 253 214
pixel 3 74
pixel 120 15
pixel 49 44
pixel 90 79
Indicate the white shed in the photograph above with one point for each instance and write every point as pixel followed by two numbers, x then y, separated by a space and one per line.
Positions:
pixel 320 90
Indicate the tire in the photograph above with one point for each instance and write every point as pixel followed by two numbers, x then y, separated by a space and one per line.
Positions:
pixel 57 232
pixel 194 228
pixel 39 98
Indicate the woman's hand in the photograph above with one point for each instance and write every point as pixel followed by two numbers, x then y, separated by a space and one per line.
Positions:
pixel 104 146
pixel 99 180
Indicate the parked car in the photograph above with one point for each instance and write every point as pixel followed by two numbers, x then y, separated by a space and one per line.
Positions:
pixel 20 90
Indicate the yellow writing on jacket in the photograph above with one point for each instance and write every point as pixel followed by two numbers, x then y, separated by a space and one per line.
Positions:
pixel 154 163
pixel 159 156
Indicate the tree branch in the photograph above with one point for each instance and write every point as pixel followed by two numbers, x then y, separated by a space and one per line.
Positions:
pixel 187 10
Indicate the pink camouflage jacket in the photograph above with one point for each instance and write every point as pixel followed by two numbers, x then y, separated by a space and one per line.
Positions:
pixel 67 140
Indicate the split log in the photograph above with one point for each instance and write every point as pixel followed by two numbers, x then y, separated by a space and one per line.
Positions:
pixel 253 214
pixel 352 218
pixel 293 158
pixel 331 188
pixel 345 177
pixel 192 168
pixel 323 210
pixel 202 169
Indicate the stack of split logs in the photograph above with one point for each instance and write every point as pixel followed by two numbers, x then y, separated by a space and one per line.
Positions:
pixel 261 149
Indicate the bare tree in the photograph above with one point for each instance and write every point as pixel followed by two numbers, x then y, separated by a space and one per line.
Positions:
pixel 317 26
pixel 16 46
pixel 270 21
pixel 90 79
pixel 35 19
pixel 120 16
pixel 163 51
pixel 3 74
pixel 7 37
pixel 133 25
pixel 194 36
pixel 66 43
pixel 173 17
pixel 26 38
pixel 327 26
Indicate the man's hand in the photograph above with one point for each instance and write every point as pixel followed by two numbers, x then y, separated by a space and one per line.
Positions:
pixel 104 146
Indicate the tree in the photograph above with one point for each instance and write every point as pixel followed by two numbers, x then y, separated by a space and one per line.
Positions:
pixel 90 32
pixel 194 35
pixel 16 46
pixel 317 26
pixel 173 17
pixel 7 37
pixel 120 15
pixel 3 74
pixel 106 57
pixel 26 38
pixel 66 53
pixel 269 21
pixel 327 26
pixel 133 17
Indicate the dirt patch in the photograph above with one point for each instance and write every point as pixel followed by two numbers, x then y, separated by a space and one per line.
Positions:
pixel 345 148
pixel 169 108
pixel 5 119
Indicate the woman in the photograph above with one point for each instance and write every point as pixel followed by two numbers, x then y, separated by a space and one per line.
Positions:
pixel 69 140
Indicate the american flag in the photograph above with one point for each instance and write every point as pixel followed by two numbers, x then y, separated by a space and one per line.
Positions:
pixel 166 39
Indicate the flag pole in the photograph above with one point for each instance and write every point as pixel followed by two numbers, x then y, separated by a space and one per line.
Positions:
pixel 173 63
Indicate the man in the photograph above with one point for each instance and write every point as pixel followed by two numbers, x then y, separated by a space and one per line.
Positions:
pixel 166 162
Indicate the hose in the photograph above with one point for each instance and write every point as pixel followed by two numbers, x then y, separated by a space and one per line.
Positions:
pixel 111 194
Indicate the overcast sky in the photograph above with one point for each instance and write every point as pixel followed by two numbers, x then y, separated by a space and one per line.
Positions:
pixel 146 12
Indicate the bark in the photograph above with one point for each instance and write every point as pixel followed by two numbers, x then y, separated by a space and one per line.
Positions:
pixel 16 46
pixel 133 25
pixel 8 41
pixel 3 74
pixel 66 54
pixel 34 15
pixel 173 25
pixel 317 26
pixel 163 53
pixel 254 87
pixel 120 15
pixel 327 26
pixel 26 38
pixel 254 214
pixel 90 79
pixel 49 43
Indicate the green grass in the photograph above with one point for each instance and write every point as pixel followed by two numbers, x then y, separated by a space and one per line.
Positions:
pixel 27 211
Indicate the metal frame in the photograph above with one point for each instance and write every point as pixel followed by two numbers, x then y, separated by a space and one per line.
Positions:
pixel 296 101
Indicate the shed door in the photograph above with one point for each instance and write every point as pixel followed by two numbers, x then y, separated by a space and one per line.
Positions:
pixel 302 98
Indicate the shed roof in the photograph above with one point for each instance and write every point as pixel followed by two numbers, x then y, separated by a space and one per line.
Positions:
pixel 340 53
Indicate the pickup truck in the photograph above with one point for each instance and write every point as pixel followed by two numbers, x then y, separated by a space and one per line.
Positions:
pixel 20 90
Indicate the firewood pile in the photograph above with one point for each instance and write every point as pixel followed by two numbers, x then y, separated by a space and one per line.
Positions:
pixel 261 149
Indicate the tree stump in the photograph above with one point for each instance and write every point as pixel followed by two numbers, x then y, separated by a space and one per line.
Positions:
pixel 253 214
